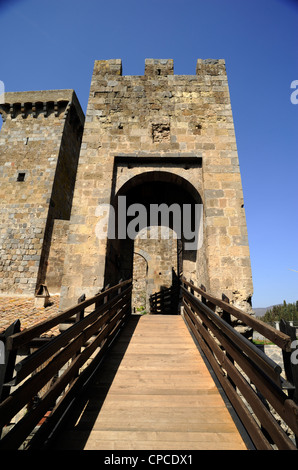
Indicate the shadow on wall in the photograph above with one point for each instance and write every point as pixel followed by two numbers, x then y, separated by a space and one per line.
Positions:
pixel 167 300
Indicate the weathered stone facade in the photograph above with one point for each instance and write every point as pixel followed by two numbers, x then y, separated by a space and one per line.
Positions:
pixel 155 264
pixel 156 138
pixel 154 132
pixel 39 149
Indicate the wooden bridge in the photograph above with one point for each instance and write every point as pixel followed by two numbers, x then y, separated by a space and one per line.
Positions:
pixel 113 380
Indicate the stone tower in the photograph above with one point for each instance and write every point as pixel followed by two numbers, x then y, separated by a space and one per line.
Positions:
pixel 157 139
pixel 39 148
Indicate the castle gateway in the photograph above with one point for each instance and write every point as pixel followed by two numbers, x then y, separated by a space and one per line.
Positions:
pixel 146 186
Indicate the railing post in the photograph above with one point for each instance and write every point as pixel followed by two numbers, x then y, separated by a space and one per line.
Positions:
pixel 204 300
pixel 7 367
pixel 207 302
pixel 7 364
pixel 104 301
pixel 79 317
pixel 192 290
pixel 227 318
pixel 225 315
pixel 119 288
pixel 106 297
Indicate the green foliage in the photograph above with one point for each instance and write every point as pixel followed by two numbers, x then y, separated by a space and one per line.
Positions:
pixel 141 310
pixel 288 312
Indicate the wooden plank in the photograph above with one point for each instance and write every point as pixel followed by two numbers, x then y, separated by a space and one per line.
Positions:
pixel 16 436
pixel 266 364
pixel 284 406
pixel 169 436
pixel 151 441
pixel 277 337
pixel 260 410
pixel 157 396
pixel 30 364
pixel 19 339
pixel 21 396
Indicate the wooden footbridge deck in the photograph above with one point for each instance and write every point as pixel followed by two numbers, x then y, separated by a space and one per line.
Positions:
pixel 154 392
pixel 112 380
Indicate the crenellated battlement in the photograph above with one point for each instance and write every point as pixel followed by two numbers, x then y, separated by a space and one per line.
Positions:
pixel 35 103
pixel 211 67
pixel 108 67
pixel 39 148
pixel 159 67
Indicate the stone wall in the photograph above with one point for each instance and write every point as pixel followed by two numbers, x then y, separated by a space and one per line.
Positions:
pixel 154 265
pixel 168 120
pixel 39 147
pixel 56 256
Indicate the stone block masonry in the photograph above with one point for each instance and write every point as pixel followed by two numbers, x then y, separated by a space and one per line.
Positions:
pixel 156 138
pixel 154 264
pixel 144 130
pixel 39 148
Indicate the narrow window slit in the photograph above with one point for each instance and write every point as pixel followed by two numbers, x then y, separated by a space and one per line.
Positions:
pixel 21 177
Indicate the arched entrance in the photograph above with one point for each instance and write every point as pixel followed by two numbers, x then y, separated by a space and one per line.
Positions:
pixel 155 221
pixel 141 261
pixel 155 264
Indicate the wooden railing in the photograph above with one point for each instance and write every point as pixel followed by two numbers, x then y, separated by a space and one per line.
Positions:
pixel 160 302
pixel 165 301
pixel 260 395
pixel 39 389
pixel 55 370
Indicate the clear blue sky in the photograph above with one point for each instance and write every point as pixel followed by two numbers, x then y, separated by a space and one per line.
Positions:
pixel 49 44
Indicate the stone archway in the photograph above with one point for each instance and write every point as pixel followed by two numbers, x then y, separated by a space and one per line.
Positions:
pixel 140 280
pixel 153 189
pixel 155 266
pixel 176 127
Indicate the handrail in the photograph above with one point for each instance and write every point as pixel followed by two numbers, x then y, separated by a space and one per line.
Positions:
pixel 260 359
pixel 59 366
pixel 277 337
pixel 19 339
pixel 161 301
pixel 165 301
pixel 250 379
pixel 58 369
pixel 29 364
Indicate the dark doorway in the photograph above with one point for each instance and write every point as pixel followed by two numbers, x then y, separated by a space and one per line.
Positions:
pixel 150 190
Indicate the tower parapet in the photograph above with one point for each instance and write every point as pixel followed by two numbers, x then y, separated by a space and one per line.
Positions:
pixel 39 148
pixel 159 125
pixel 159 67
pixel 211 67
